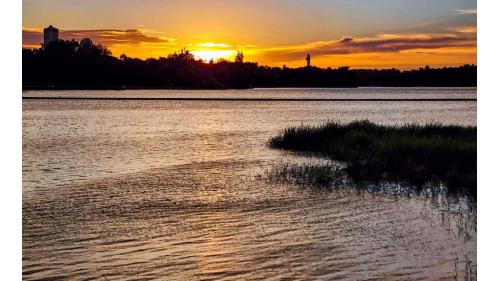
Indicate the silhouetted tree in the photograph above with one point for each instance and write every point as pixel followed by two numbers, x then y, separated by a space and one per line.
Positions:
pixel 462 76
pixel 61 47
pixel 181 56
pixel 65 64
pixel 239 57
pixel 94 50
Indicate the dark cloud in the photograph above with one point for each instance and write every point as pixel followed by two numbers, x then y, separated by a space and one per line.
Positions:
pixel 346 40
pixel 106 37
pixel 382 44
pixel 32 37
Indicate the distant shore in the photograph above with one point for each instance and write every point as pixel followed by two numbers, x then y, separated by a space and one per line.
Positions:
pixel 68 65
pixel 244 99
pixel 126 88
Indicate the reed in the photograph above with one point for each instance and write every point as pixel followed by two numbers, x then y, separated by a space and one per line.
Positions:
pixel 417 154
pixel 317 174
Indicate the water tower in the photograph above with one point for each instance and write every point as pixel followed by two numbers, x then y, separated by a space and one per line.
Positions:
pixel 50 34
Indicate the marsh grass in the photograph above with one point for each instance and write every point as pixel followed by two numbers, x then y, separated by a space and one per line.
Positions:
pixel 330 175
pixel 412 153
pixel 316 174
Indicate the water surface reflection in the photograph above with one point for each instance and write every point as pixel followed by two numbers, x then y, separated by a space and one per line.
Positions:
pixel 120 189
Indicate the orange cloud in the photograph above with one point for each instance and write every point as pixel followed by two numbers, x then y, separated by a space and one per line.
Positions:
pixel 107 37
pixel 384 43
pixel 467 29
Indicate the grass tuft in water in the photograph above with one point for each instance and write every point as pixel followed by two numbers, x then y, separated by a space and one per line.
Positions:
pixel 417 154
pixel 317 174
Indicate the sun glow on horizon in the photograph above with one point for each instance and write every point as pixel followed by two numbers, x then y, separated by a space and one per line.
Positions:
pixel 213 55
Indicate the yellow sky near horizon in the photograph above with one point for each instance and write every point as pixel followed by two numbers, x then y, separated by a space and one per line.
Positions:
pixel 435 50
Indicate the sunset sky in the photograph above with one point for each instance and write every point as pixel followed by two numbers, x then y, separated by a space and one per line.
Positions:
pixel 361 34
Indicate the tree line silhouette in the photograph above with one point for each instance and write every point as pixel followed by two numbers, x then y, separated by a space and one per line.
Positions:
pixel 65 64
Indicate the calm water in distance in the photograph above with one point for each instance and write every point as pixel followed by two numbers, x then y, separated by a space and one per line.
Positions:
pixel 168 190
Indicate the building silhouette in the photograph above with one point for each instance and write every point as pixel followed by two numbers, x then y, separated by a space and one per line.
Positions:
pixel 50 34
pixel 308 59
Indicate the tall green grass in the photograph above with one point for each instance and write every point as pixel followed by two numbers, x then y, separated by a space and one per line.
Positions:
pixel 413 153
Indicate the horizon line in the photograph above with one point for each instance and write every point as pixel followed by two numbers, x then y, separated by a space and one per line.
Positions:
pixel 248 99
pixel 222 60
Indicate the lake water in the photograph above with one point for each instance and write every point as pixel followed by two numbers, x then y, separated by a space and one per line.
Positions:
pixel 169 190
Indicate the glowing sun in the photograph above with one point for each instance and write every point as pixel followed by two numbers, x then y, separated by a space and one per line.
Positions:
pixel 215 55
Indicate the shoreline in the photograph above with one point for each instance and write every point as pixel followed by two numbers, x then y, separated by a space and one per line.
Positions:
pixel 246 99
pixel 45 88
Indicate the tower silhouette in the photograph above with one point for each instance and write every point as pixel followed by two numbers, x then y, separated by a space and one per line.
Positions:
pixel 50 34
